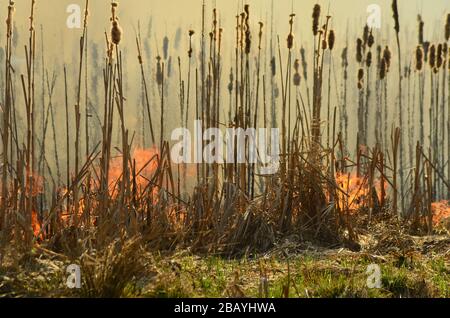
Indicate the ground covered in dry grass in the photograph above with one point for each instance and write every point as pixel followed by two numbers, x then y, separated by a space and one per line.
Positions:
pixel 411 267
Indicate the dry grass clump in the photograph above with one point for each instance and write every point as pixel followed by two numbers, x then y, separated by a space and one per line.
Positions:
pixel 107 273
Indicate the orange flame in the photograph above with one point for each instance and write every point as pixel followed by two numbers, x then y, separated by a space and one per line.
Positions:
pixel 142 159
pixel 441 211
pixel 357 190
pixel 36 225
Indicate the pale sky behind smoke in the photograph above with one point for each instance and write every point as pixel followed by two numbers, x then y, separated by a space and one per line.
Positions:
pixel 168 15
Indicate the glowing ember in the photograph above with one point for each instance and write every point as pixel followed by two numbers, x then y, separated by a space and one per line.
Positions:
pixel 441 211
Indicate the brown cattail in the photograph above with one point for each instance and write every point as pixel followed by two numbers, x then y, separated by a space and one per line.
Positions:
pixel 324 44
pixel 290 41
pixel 273 66
pixel 369 59
pixel 344 57
pixel 439 54
pixel 378 56
pixel 159 74
pixel 360 74
pixel 426 47
pixel 447 28
pixel 421 24
pixel 360 78
pixel 365 34
pixel 331 39
pixel 116 30
pixel 9 19
pixel 116 33
pixel 419 58
pixel 383 68
pixel 359 54
pixel 387 57
pixel 297 78
pixel 304 63
pixel 165 47
pixel 371 39
pixel 432 56
pixel 191 33
pixel 344 61
pixel 261 25
pixel 316 17
pixel 248 36
pixel 230 84
pixel 444 52
pixel 395 16
pixel 290 38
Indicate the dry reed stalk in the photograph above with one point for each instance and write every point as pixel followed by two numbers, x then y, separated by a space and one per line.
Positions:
pixel 28 91
pixel 144 83
pixel 6 113
pixel 395 140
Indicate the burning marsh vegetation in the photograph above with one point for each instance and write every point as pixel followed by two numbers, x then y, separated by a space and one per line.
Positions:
pixel 363 175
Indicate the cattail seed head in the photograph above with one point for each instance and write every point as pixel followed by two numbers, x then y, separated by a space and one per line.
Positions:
pixel 231 82
pixel 426 48
pixel 395 16
pixel 447 28
pixel 261 25
pixel 369 59
pixel 9 19
pixel 360 74
pixel 439 54
pixel 359 55
pixel 432 56
pixel 378 56
pixel 365 35
pixel 371 39
pixel 383 68
pixel 290 41
pixel 297 79
pixel 316 17
pixel 116 33
pixel 331 39
pixel 387 57
pixel 419 58
pixel 324 44
pixel 290 38
pixel 421 24
pixel 304 63
pixel 165 47
pixel 191 33
pixel 159 74
pixel 344 57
